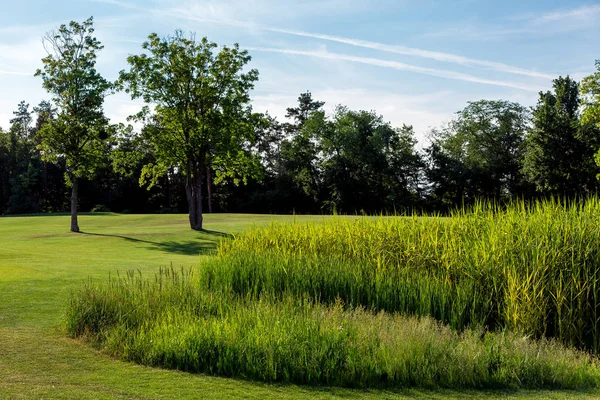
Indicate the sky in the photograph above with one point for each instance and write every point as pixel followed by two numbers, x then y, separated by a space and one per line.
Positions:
pixel 414 62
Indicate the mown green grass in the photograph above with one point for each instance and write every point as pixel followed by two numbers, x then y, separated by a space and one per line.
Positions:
pixel 41 263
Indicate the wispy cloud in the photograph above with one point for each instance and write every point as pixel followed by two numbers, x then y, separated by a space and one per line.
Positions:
pixel 440 73
pixel 122 4
pixel 201 14
pixel 410 51
pixel 433 55
pixel 554 22
pixel 2 72
pixel 572 17
pixel 256 9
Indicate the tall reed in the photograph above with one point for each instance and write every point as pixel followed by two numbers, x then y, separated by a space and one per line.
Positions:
pixel 532 268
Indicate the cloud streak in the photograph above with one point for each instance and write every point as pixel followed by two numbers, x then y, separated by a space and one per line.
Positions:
pixel 2 72
pixel 189 15
pixel 440 73
pixel 542 24
pixel 586 13
pixel 410 51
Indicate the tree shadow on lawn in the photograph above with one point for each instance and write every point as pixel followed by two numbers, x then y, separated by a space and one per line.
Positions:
pixel 205 245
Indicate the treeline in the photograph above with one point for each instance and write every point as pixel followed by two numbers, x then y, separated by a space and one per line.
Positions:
pixel 28 184
pixel 347 162
pixel 202 148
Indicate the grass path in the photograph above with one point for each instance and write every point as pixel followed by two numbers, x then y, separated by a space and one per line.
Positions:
pixel 40 262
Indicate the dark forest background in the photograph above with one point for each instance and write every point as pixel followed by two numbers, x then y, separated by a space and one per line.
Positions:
pixel 350 161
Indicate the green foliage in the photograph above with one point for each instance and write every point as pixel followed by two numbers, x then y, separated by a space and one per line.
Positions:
pixel 300 156
pixel 532 269
pixel 367 164
pixel 557 159
pixel 21 123
pixel 79 130
pixel 173 322
pixel 25 189
pixel 22 180
pixel 77 133
pixel 202 113
pixel 100 208
pixel 305 108
pixel 590 91
pixel 129 151
pixel 351 162
pixel 478 155
pixel 45 112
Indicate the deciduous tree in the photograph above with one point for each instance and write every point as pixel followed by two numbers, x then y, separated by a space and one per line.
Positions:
pixel 478 154
pixel 557 160
pixel 79 131
pixel 202 108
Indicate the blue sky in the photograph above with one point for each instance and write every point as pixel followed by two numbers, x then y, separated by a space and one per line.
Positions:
pixel 414 62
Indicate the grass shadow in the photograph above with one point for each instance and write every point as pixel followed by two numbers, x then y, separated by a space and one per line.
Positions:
pixel 205 245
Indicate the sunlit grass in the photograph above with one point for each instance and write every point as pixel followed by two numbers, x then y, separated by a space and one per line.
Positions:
pixel 172 321
pixel 493 275
pixel 533 269
pixel 41 263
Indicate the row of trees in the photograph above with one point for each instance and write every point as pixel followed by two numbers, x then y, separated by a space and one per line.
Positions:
pixel 201 138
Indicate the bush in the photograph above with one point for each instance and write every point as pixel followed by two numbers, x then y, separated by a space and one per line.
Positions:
pixel 100 208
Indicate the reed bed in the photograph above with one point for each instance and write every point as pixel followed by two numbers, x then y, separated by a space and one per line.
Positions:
pixel 172 321
pixel 531 268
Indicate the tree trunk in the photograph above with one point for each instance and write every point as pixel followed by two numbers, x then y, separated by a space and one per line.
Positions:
pixel 45 188
pixel 170 184
pixel 193 188
pixel 209 187
pixel 74 201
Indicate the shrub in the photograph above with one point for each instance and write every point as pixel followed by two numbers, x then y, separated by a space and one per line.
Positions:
pixel 100 208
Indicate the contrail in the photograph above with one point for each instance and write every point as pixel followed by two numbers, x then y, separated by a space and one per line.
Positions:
pixel 400 66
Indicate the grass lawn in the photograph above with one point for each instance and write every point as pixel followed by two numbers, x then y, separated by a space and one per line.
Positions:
pixel 41 262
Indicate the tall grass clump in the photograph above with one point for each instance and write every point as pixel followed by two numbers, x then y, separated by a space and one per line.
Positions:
pixel 173 321
pixel 530 268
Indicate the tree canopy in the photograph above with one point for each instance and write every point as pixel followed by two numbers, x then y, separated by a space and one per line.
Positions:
pixel 478 154
pixel 556 159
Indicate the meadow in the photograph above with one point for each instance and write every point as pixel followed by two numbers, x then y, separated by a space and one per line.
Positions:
pixel 45 272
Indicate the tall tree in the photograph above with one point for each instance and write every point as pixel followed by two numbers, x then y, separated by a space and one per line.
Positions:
pixel 5 169
pixel 298 172
pixel 21 123
pixel 79 130
pixel 478 154
pixel 590 119
pixel 556 159
pixel 202 105
pixel 45 112
pixel 305 108
pixel 25 168
pixel 367 164
pixel 590 90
